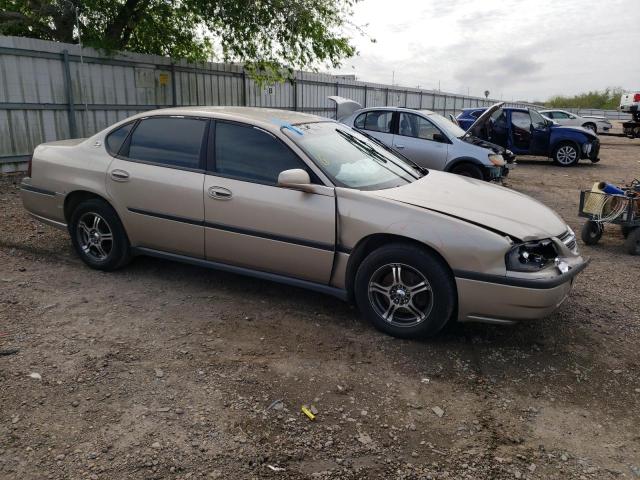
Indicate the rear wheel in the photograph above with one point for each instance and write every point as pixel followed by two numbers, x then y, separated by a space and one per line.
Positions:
pixel 591 232
pixel 98 235
pixel 566 154
pixel 468 170
pixel 632 243
pixel 405 291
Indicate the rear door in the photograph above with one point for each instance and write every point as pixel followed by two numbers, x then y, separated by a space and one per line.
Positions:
pixel 253 223
pixel 378 123
pixel 421 141
pixel 156 183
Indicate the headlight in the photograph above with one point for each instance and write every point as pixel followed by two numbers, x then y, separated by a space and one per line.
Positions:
pixel 496 159
pixel 531 256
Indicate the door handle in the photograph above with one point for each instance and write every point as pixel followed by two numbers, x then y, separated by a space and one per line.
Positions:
pixel 120 175
pixel 399 147
pixel 219 193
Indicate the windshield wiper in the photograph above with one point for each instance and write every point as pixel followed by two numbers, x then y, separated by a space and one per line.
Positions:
pixel 422 170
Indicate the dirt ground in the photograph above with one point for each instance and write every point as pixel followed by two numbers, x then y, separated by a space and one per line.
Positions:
pixel 163 370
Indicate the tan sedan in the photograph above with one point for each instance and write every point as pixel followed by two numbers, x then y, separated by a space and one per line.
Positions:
pixel 305 201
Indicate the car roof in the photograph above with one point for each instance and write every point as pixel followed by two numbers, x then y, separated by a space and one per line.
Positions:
pixel 397 109
pixel 268 118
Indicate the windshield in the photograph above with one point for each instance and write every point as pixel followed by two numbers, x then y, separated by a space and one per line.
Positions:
pixel 350 159
pixel 449 128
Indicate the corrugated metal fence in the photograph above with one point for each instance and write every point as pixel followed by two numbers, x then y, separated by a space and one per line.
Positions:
pixel 51 91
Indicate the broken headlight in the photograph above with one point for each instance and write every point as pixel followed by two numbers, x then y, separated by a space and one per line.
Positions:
pixel 531 256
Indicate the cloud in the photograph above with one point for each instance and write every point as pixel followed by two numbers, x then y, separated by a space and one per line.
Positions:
pixel 527 49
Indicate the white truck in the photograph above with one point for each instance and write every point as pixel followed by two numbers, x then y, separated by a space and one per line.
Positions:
pixel 629 103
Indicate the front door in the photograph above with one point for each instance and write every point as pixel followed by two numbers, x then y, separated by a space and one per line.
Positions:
pixel 520 131
pixel 156 184
pixel 540 134
pixel 421 141
pixel 253 223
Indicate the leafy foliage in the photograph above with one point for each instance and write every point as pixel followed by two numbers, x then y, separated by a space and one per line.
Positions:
pixel 272 37
pixel 607 99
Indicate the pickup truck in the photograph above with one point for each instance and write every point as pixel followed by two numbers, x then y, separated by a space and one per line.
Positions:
pixel 629 103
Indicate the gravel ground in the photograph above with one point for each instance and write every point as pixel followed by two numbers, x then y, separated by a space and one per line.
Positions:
pixel 170 371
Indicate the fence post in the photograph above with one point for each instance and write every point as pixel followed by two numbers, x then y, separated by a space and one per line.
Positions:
pixel 71 109
pixel 244 87
pixel 406 95
pixel 174 101
pixel 295 94
pixel 420 99
pixel 365 96
pixel 386 97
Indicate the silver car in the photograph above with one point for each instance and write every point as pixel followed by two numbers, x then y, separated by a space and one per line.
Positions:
pixel 568 119
pixel 428 139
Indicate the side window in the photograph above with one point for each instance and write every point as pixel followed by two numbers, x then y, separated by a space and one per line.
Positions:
pixel 476 113
pixel 378 121
pixel 521 120
pixel 116 138
pixel 359 121
pixel 537 120
pixel 169 141
pixel 412 125
pixel 248 153
pixel 560 115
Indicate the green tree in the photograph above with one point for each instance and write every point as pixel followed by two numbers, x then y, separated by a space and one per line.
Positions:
pixel 271 37
pixel 607 99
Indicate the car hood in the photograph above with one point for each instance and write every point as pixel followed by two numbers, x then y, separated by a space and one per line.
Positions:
pixel 584 131
pixel 482 119
pixel 487 205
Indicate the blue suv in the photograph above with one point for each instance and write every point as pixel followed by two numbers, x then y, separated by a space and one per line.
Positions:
pixel 526 132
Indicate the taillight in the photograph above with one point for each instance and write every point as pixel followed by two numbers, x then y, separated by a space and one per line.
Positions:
pixel 29 167
pixel 636 97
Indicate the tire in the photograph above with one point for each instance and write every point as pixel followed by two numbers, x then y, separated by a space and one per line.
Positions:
pixel 632 243
pixel 384 283
pixel 591 232
pixel 468 170
pixel 625 231
pixel 566 154
pixel 591 126
pixel 98 235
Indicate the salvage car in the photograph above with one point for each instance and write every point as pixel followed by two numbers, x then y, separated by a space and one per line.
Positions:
pixel 590 122
pixel 307 202
pixel 428 139
pixel 527 132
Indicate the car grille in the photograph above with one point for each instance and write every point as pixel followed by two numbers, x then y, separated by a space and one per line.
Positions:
pixel 569 239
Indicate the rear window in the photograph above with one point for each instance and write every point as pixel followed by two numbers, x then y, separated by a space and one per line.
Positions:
pixel 116 138
pixel 170 141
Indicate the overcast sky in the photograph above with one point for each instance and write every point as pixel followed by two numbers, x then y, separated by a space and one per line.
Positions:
pixel 516 49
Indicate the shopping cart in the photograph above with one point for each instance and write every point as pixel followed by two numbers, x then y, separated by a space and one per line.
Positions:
pixel 621 209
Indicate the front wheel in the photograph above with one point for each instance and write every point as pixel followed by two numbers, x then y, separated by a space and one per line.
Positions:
pixel 566 155
pixel 405 291
pixel 98 235
pixel 468 170
pixel 592 232
pixel 590 126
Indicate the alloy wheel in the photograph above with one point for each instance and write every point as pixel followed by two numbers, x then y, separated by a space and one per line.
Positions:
pixel 400 294
pixel 566 155
pixel 94 236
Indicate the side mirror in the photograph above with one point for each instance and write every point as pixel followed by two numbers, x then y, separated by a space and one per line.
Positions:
pixel 296 179
pixel 438 137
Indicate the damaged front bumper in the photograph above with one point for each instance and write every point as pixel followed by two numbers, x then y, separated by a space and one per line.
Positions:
pixel 509 299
